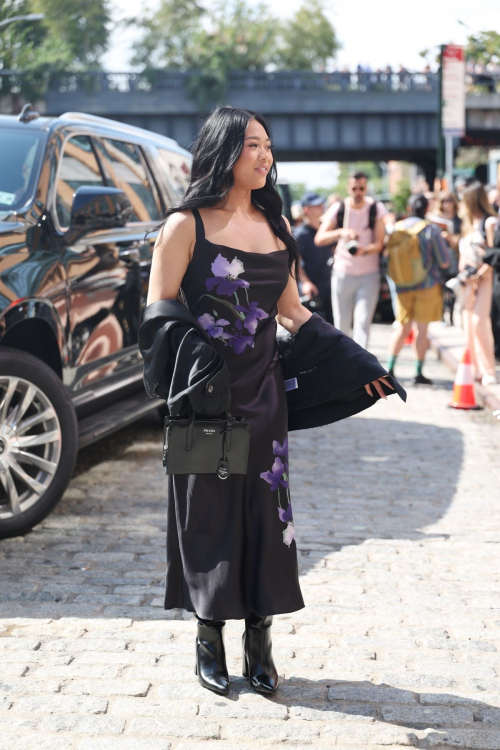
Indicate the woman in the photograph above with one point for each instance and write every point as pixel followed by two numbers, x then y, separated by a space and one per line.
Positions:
pixel 447 208
pixel 478 277
pixel 230 545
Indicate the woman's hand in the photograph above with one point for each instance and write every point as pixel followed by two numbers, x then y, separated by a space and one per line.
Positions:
pixel 378 387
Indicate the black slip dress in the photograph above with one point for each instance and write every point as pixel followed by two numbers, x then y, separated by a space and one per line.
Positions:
pixel 231 547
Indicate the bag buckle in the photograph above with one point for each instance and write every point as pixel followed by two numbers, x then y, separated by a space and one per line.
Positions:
pixel 223 469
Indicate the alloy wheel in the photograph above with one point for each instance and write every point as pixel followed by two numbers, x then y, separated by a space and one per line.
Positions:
pixel 30 445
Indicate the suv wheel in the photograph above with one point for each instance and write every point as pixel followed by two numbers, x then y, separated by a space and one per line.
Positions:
pixel 38 441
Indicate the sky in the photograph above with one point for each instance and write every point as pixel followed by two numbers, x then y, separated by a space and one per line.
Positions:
pixel 391 33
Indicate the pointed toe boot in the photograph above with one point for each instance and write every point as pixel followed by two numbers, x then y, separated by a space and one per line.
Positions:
pixel 211 656
pixel 258 664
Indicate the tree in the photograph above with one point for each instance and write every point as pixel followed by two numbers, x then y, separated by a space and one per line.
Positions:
pixel 483 47
pixel 308 40
pixel 232 36
pixel 70 37
pixel 168 34
pixel 229 36
pixel 401 196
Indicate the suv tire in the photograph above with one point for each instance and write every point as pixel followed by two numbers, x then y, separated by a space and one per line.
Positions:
pixel 38 441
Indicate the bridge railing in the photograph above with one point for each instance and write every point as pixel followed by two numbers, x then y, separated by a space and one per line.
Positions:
pixel 340 81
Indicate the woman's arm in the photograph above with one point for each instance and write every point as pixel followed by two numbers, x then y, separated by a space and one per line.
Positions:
pixel 489 227
pixel 171 256
pixel 291 314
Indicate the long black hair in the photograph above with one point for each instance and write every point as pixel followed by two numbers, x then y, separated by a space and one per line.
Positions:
pixel 215 152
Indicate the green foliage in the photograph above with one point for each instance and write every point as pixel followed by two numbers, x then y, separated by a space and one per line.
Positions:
pixel 483 47
pixel 232 36
pixel 401 197
pixel 168 34
pixel 308 40
pixel 70 37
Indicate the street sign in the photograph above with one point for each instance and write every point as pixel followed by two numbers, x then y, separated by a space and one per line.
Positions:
pixel 453 90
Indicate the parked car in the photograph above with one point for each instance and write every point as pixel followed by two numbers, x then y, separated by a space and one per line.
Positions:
pixel 77 196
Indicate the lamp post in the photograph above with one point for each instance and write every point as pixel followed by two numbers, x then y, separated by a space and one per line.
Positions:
pixel 28 17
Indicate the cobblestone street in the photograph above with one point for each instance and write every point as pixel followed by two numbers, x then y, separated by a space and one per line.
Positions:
pixel 398 530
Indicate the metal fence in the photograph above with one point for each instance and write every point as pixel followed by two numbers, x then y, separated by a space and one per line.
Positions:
pixel 338 81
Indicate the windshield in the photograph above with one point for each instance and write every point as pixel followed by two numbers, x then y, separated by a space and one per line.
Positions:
pixel 19 159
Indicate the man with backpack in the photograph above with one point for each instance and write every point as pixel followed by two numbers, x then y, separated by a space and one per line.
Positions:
pixel 356 226
pixel 417 253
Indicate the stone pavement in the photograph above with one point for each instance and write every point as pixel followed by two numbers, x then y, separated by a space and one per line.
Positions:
pixel 398 527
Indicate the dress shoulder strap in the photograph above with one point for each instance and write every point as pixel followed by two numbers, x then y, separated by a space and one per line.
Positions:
pixel 200 228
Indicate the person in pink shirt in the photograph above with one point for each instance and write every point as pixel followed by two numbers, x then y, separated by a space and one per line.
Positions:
pixel 357 226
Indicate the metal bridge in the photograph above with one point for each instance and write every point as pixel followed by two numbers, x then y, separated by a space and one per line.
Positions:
pixel 339 116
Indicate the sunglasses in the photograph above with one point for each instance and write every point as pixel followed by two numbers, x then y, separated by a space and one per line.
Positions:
pixel 358 189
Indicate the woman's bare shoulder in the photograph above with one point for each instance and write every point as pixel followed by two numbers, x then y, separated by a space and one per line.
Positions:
pixel 179 226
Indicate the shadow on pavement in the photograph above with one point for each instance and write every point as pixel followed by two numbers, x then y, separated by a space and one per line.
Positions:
pixel 449 719
pixel 358 479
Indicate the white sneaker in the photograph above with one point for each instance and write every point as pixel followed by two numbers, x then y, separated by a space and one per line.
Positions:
pixel 489 380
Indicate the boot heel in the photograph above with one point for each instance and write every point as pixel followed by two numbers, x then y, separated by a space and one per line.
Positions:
pixel 244 670
pixel 196 669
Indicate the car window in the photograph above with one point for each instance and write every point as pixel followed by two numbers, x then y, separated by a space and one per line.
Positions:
pixel 176 170
pixel 78 167
pixel 132 176
pixel 19 159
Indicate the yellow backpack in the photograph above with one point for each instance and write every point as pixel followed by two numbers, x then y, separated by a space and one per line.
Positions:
pixel 406 266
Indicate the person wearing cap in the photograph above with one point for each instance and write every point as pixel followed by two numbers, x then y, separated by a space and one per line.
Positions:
pixel 316 262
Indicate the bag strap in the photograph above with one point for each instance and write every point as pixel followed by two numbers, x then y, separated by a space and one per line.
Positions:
pixel 226 431
pixel 340 215
pixel 372 216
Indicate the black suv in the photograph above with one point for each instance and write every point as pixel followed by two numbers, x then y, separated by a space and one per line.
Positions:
pixel 77 196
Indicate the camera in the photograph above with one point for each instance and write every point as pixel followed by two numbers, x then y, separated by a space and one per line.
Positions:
pixel 352 247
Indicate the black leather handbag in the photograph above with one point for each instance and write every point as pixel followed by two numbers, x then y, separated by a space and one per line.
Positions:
pixel 206 446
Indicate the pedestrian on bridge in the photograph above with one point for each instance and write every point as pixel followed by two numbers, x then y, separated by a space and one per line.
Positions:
pixel 357 226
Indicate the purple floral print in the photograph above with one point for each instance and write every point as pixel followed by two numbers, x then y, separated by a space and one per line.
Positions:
pixel 252 317
pixel 226 276
pixel 226 283
pixel 275 476
pixel 281 450
pixel 278 476
pixel 285 515
pixel 214 328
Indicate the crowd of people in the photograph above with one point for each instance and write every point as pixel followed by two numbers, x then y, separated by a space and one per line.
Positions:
pixel 443 253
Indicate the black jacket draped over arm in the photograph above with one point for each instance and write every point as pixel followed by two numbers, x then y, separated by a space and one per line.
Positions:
pixel 182 367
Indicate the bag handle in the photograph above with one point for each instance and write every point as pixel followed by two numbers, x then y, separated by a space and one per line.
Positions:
pixel 226 440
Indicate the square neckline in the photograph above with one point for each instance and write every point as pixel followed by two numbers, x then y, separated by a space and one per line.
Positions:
pixel 201 237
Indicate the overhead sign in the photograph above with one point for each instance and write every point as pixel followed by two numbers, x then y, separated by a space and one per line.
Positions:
pixel 453 72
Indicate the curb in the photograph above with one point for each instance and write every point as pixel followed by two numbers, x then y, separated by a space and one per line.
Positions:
pixel 489 400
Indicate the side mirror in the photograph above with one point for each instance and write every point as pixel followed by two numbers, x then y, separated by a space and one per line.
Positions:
pixel 96 207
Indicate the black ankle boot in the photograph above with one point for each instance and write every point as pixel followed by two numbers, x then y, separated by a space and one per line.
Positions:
pixel 211 656
pixel 258 662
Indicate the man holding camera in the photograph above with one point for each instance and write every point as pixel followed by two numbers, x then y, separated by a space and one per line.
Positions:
pixel 357 226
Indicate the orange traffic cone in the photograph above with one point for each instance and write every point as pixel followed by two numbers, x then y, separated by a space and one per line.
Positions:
pixel 463 388
pixel 409 338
